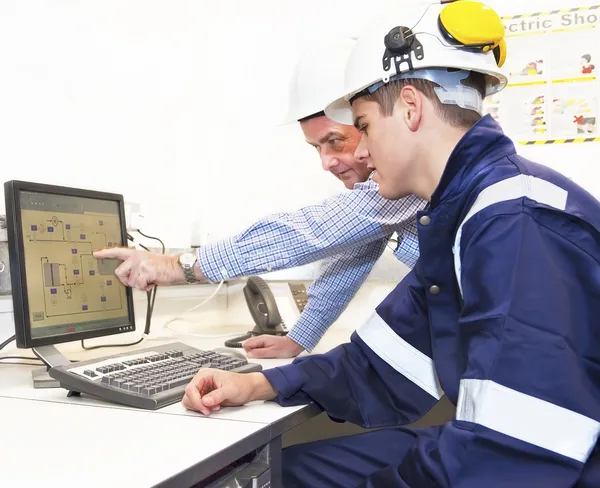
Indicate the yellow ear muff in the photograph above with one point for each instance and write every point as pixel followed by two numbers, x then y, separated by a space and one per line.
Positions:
pixel 500 53
pixel 472 24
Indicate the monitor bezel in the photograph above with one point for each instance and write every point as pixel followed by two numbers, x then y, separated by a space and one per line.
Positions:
pixel 24 340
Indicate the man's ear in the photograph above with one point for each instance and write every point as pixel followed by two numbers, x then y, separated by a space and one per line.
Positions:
pixel 410 105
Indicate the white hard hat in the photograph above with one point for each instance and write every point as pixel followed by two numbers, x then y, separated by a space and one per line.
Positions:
pixel 411 44
pixel 318 78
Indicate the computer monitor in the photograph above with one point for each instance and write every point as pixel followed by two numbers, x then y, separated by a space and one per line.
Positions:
pixel 60 291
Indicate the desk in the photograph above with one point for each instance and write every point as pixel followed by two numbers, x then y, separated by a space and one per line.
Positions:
pixel 56 444
pixel 169 445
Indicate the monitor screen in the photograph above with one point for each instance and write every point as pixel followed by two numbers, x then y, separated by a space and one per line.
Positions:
pixel 65 292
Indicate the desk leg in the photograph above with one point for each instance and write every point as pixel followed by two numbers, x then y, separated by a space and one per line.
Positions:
pixel 275 459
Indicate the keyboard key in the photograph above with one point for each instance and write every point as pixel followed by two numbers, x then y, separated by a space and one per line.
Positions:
pixel 179 382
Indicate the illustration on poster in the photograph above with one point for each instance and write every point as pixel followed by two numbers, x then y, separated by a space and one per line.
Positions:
pixel 570 19
pixel 533 68
pixel 585 125
pixel 578 112
pixel 540 100
pixel 586 65
pixel 538 115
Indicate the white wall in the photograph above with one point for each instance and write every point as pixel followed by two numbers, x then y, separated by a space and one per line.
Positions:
pixel 175 104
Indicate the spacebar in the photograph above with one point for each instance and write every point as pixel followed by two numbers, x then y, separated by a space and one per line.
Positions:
pixel 179 381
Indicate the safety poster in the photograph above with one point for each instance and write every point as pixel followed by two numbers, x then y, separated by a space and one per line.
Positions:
pixel 553 62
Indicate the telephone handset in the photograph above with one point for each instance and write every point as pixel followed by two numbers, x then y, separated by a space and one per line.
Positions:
pixel 261 303
pixel 264 311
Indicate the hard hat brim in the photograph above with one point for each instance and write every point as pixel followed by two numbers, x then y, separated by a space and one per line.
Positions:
pixel 340 111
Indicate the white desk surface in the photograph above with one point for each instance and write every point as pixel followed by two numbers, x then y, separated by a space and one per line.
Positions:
pixel 52 444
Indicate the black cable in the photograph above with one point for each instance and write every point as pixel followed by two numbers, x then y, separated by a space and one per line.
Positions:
pixel 7 342
pixel 130 237
pixel 19 363
pixel 43 360
pixel 153 238
pixel 149 309
pixel 18 358
pixel 152 293
pixel 110 345
pixel 2 358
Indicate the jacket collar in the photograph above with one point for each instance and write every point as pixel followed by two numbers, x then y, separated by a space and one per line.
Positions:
pixel 469 156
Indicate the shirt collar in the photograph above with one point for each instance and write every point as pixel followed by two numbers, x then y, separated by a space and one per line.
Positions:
pixel 485 136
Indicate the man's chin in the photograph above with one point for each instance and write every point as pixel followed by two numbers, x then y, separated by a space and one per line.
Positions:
pixel 385 191
pixel 348 181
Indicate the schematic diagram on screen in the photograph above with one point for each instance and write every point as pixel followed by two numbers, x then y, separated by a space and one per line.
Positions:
pixel 59 250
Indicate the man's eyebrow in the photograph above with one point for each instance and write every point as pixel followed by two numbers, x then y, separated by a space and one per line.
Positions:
pixel 328 136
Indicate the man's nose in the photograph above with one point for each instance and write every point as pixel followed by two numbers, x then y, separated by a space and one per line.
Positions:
pixel 329 162
pixel 361 153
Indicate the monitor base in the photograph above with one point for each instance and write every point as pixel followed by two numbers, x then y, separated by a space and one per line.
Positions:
pixel 52 357
pixel 41 379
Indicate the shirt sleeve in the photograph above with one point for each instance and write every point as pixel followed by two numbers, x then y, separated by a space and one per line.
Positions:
pixel 285 240
pixel 528 405
pixel 340 278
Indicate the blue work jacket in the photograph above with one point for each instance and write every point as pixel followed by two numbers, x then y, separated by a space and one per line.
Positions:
pixel 501 314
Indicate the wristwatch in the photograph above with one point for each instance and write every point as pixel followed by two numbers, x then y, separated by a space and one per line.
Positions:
pixel 187 261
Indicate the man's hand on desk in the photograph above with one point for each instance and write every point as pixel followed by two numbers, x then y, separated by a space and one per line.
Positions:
pixel 213 388
pixel 143 270
pixel 269 346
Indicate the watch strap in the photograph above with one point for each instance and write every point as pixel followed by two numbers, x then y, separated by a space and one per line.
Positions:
pixel 188 270
pixel 189 274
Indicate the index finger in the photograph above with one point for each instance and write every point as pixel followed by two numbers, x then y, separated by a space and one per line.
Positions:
pixel 254 343
pixel 121 253
pixel 193 398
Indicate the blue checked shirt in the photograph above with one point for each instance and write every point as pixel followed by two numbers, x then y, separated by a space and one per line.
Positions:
pixel 348 232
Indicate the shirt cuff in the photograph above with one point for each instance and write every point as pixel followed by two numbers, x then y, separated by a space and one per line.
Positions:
pixel 286 380
pixel 306 336
pixel 221 260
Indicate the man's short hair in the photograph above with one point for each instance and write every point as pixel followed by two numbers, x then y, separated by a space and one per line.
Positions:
pixel 453 115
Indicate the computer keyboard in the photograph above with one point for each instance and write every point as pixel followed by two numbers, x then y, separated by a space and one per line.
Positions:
pixel 146 378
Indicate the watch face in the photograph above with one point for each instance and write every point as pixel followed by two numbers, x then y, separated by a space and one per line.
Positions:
pixel 187 259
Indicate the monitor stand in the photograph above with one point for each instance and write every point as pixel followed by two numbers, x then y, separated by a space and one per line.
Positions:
pixel 52 357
